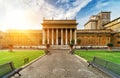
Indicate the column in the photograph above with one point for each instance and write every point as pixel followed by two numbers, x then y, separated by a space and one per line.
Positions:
pixel 56 36
pixel 75 36
pixel 48 36
pixel 61 36
pixel 52 37
pixel 66 37
pixel 43 36
pixel 70 35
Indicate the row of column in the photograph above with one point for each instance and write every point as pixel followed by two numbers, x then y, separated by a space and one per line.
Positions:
pixel 66 36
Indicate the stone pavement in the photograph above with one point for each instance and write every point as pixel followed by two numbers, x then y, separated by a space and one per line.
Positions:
pixel 61 64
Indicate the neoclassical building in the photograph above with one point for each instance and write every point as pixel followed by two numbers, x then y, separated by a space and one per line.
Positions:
pixel 98 31
pixel 59 32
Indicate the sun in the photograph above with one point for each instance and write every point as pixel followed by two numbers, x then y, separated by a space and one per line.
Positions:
pixel 16 20
pixel 3 29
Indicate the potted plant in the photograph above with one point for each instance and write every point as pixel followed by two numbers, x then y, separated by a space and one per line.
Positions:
pixel 47 47
pixel 71 46
pixel 10 47
pixel 110 45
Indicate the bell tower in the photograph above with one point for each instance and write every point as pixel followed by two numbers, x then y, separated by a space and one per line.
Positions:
pixel 104 17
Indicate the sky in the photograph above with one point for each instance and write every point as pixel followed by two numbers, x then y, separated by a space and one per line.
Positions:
pixel 28 14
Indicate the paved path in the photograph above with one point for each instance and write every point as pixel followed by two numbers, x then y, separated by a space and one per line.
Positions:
pixel 60 64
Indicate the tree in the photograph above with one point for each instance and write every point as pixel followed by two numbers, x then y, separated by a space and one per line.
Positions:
pixel 110 45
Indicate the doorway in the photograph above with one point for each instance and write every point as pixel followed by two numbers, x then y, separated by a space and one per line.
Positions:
pixel 59 40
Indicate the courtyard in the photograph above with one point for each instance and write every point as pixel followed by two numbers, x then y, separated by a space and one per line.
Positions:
pixel 44 33
pixel 61 64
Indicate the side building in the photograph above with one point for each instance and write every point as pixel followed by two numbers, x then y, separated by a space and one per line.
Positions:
pixel 21 38
pixel 94 37
pixel 98 21
pixel 115 26
pixel 102 21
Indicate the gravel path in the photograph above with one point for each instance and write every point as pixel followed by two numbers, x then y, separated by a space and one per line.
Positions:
pixel 60 64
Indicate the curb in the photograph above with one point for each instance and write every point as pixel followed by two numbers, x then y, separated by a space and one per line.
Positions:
pixel 81 58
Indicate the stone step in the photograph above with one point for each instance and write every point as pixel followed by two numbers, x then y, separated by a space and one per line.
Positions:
pixel 59 47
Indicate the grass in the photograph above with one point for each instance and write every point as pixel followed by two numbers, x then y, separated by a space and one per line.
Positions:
pixel 17 56
pixel 113 56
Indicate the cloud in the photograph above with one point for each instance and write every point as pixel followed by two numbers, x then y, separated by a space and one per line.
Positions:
pixel 48 10
pixel 101 4
pixel 62 1
pixel 82 21
pixel 37 9
pixel 72 12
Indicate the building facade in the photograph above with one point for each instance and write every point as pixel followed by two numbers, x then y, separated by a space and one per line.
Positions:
pixel 98 21
pixel 59 32
pixel 99 31
pixel 94 37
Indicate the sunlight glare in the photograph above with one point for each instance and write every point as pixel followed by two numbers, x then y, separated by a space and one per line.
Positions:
pixel 19 20
pixel 3 29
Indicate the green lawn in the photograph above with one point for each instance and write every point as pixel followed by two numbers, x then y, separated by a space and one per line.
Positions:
pixel 110 56
pixel 17 56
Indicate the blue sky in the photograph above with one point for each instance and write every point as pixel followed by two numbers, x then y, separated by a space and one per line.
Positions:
pixel 28 14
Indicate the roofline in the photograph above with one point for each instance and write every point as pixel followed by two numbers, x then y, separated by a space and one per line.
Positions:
pixel 59 24
pixel 90 21
pixel 104 12
pixel 112 21
pixel 93 29
pixel 59 20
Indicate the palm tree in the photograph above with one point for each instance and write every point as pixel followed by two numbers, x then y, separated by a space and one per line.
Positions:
pixel 110 45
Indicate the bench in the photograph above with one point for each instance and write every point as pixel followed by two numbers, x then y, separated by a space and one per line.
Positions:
pixel 107 67
pixel 7 70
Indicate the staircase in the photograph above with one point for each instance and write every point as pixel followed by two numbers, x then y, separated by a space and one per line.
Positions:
pixel 61 47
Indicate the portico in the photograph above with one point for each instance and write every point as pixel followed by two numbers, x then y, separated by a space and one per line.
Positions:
pixel 59 32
